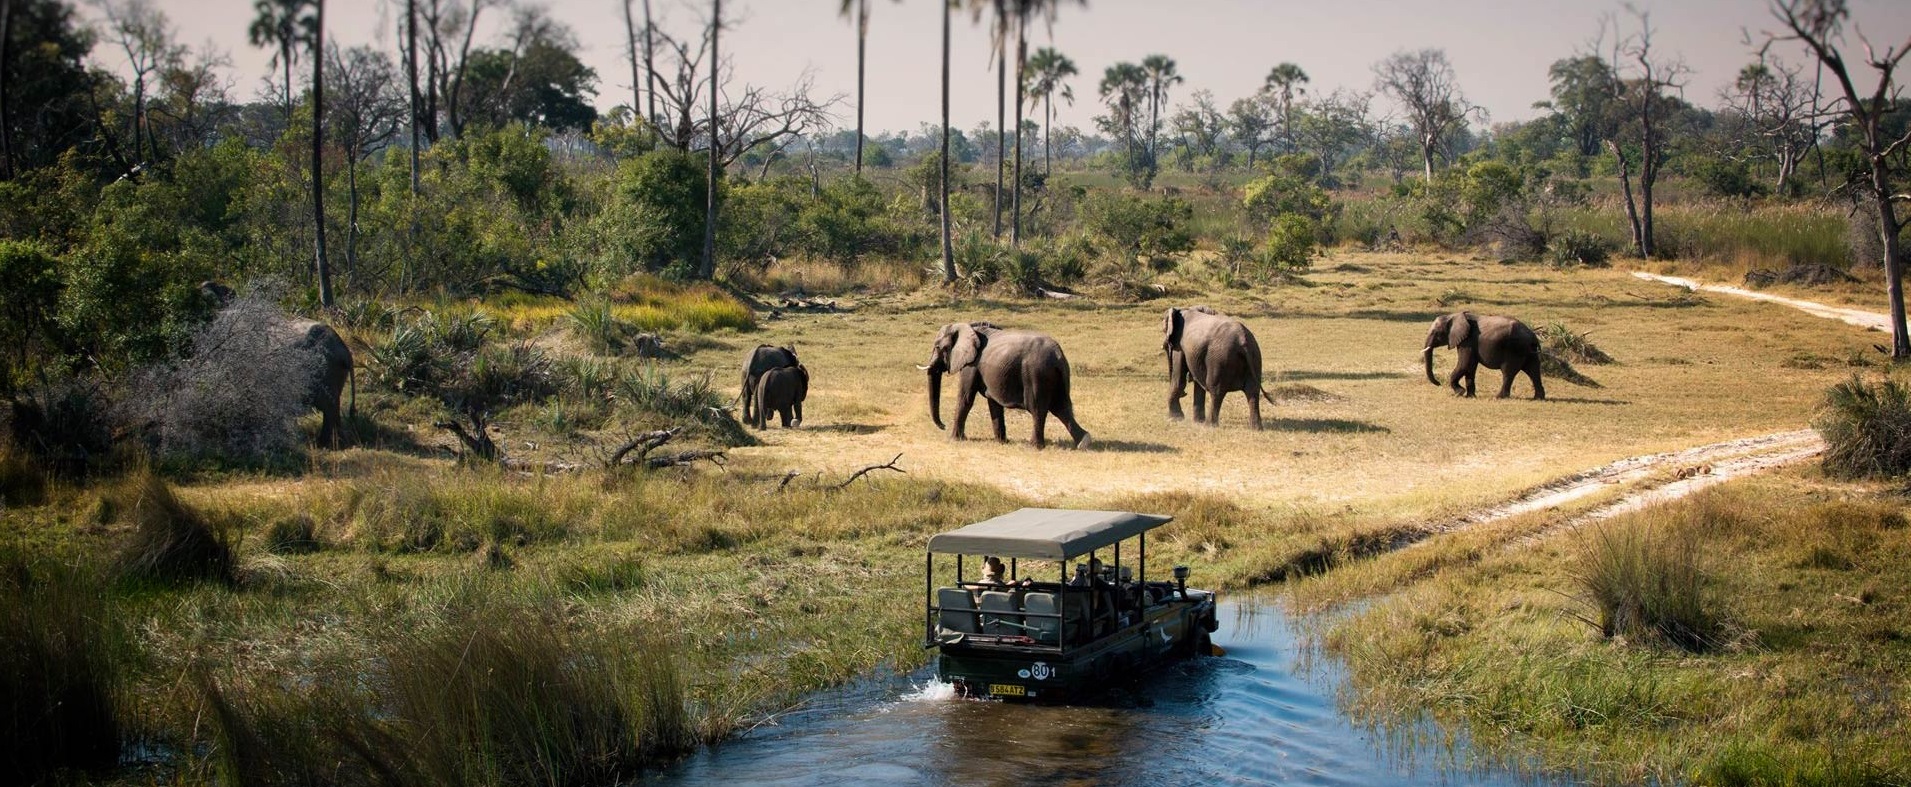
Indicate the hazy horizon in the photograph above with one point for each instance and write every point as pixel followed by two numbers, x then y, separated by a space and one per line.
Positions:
pixel 1500 50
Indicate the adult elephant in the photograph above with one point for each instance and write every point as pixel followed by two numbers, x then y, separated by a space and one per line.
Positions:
pixel 1495 342
pixel 1219 354
pixel 1020 370
pixel 762 359
pixel 331 358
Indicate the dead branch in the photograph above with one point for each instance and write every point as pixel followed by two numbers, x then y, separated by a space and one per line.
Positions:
pixel 890 465
pixel 643 444
pixel 1060 296
pixel 477 442
pixel 787 478
pixel 679 459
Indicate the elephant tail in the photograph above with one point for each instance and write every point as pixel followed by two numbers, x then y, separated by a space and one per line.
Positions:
pixel 1556 367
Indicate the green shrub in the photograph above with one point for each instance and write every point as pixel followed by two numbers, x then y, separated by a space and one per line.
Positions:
pixel 1268 198
pixel 1576 247
pixel 64 425
pixel 1290 243
pixel 1646 583
pixel 1561 341
pixel 1139 228
pixel 653 220
pixel 593 321
pixel 292 534
pixel 1867 428
pixel 1725 178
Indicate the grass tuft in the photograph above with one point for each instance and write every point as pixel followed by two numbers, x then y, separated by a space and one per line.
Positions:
pixel 1867 428
pixel 60 671
pixel 1646 584
pixel 1562 341
pixel 170 541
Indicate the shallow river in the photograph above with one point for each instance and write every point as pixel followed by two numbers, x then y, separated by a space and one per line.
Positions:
pixel 1264 713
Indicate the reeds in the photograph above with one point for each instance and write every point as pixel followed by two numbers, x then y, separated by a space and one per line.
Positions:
pixel 168 541
pixel 1867 428
pixel 60 671
pixel 1646 583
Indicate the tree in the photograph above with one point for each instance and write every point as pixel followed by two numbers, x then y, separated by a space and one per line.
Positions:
pixel 1333 127
pixel 709 268
pixel 755 119
pixel 948 247
pixel 1284 81
pixel 538 81
pixel 145 36
pixel 1249 120
pixel 367 111
pixel 1638 132
pixel 1161 74
pixel 411 81
pixel 318 153
pixel 1124 89
pixel 1201 127
pixel 6 118
pixel 861 9
pixel 45 90
pixel 1047 75
pixel 1424 84
pixel 287 25
pixel 1774 101
pixel 1818 25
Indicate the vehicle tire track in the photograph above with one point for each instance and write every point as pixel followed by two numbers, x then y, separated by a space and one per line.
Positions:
pixel 1858 317
pixel 1692 469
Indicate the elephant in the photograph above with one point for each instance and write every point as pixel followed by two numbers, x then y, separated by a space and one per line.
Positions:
pixel 333 361
pixel 781 391
pixel 762 359
pixel 1021 370
pixel 1495 342
pixel 1219 354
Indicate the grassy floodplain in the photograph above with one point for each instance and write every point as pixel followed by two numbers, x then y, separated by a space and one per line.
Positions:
pixel 362 586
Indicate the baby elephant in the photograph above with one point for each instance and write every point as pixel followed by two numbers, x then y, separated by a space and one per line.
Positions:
pixel 1501 343
pixel 781 391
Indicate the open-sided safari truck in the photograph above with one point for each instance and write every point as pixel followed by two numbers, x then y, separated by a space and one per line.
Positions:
pixel 1057 636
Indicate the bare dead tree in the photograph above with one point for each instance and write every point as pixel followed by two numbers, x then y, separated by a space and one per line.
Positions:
pixel 144 35
pixel 1646 100
pixel 1777 107
pixel 1424 84
pixel 1818 25
pixel 754 119
pixel 890 465
pixel 193 99
pixel 367 112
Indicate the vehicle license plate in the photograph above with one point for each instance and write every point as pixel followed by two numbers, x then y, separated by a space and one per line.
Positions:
pixel 1007 690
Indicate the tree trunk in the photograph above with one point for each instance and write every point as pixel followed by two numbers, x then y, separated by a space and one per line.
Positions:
pixel 948 247
pixel 1893 258
pixel 351 216
pixel 1048 125
pixel 709 269
pixel 6 118
pixel 862 42
pixel 1021 63
pixel 650 65
pixel 411 76
pixel 1625 185
pixel 318 155
pixel 1426 155
pixel 1648 171
pixel 285 58
pixel 636 65
pixel 1001 120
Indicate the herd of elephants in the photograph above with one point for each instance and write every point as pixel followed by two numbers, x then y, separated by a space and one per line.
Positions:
pixel 1026 370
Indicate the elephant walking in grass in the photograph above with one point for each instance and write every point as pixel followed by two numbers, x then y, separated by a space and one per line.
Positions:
pixel 762 359
pixel 1020 370
pixel 781 391
pixel 1495 342
pixel 1219 354
pixel 331 359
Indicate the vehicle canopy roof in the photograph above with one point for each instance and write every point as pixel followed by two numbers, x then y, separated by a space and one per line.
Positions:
pixel 1045 533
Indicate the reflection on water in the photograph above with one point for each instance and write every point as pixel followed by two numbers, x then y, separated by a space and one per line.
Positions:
pixel 1264 713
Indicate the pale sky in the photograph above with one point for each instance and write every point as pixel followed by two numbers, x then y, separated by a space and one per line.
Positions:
pixel 1500 48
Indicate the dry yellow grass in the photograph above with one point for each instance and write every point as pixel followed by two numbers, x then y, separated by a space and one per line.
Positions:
pixel 1386 443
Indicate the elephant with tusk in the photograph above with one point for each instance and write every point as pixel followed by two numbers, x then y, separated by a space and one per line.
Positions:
pixel 1495 342
pixel 1219 354
pixel 1020 370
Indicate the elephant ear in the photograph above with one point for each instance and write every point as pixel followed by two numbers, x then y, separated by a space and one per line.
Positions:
pixel 1460 330
pixel 1171 329
pixel 968 348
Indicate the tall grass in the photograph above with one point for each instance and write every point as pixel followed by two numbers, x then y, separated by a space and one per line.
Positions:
pixel 1646 584
pixel 168 540
pixel 60 671
pixel 1867 428
pixel 1730 233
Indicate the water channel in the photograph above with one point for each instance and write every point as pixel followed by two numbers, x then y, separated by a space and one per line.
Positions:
pixel 1265 713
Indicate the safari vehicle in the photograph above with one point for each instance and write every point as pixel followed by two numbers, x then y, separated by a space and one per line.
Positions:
pixel 1057 637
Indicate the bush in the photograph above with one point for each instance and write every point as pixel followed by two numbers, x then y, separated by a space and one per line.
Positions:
pixel 60 666
pixel 1266 199
pixel 1290 244
pixel 1135 227
pixel 593 321
pixel 237 397
pixel 1646 584
pixel 292 534
pixel 653 220
pixel 29 299
pixel 1581 248
pixel 1867 429
pixel 65 426
pixel 170 541
pixel 1723 178
pixel 1558 340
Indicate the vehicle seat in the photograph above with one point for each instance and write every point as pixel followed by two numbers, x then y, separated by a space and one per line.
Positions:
pixel 957 611
pixel 999 614
pixel 1045 630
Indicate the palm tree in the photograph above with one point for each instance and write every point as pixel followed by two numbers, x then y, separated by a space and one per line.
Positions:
pixel 1123 87
pixel 284 24
pixel 1161 75
pixel 948 248
pixel 1047 71
pixel 708 270
pixel 1285 80
pixel 861 7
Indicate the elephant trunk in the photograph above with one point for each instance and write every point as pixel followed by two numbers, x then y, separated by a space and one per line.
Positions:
pixel 1428 355
pixel 935 394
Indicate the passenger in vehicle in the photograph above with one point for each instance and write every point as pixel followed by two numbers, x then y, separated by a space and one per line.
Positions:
pixel 994 572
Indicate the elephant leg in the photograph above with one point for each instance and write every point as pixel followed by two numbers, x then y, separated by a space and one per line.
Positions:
pixel 1532 373
pixel 1506 381
pixel 1465 369
pixel 1065 412
pixel 799 413
pixel 1200 402
pixel 328 424
pixel 1177 384
pixel 1253 409
pixel 1214 407
pixel 1041 427
pixel 999 423
pixel 965 400
pixel 783 416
